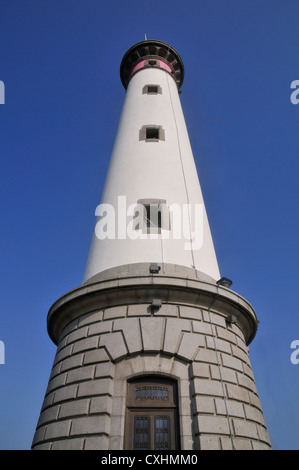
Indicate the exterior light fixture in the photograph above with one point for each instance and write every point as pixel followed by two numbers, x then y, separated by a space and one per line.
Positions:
pixel 224 282
pixel 231 320
pixel 156 303
pixel 154 268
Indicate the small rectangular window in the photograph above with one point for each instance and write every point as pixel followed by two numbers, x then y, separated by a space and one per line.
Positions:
pixel 152 89
pixel 152 133
pixel 153 217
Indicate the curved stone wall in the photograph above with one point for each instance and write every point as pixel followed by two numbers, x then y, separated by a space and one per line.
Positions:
pixel 85 402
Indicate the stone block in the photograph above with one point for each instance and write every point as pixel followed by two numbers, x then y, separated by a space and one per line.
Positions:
pixel 88 318
pixel 221 345
pixel 260 446
pixel 227 375
pixel 215 318
pixel 226 443
pixel 80 374
pixel 152 333
pixel 68 444
pixel 139 310
pixel 240 354
pixel 68 392
pixel 95 356
pixel 224 333
pixel 203 405
pixel 207 387
pixel 254 400
pixel 68 329
pixel 100 328
pixel 95 387
pixel 168 310
pixel 173 333
pixel 86 344
pixel 79 333
pixel 114 344
pixel 206 355
pixel 115 312
pixel 203 328
pixel 63 353
pixel 90 425
pixel 58 429
pixel 242 444
pixel 101 404
pixel 74 408
pixel 244 428
pixel 96 443
pixel 200 370
pixel 57 382
pixel 234 408
pixel 190 312
pixel 231 362
pixel 263 434
pixel 130 328
pixel 48 415
pixel 236 392
pixel 72 362
pixel 106 369
pixel 208 442
pixel 246 382
pixel 253 414
pixel 39 435
pixel 190 344
pixel 212 425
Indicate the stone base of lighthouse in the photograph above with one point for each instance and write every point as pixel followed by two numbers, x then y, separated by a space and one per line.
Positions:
pixel 124 357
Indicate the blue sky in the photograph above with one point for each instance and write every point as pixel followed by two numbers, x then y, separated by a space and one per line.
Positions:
pixel 59 61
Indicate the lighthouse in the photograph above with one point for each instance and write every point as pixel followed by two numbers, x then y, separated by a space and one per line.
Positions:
pixel 152 347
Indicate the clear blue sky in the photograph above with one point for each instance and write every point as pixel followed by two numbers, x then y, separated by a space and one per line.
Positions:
pixel 59 61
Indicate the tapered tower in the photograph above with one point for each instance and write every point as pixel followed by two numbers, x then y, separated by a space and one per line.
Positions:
pixel 152 348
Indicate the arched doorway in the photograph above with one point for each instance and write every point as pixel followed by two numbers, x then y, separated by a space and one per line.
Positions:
pixel 152 414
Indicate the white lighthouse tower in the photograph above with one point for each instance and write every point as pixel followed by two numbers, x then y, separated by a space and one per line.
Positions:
pixel 153 346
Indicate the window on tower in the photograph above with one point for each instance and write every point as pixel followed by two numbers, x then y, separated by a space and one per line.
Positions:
pixel 152 90
pixel 151 216
pixel 151 133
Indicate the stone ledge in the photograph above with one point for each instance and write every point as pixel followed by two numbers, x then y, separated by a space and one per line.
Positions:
pixel 107 293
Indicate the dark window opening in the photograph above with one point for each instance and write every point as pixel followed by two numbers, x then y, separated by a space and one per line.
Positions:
pixel 152 89
pixel 153 216
pixel 152 62
pixel 152 133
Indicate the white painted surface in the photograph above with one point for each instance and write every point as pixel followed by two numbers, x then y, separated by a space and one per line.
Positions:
pixel 158 170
